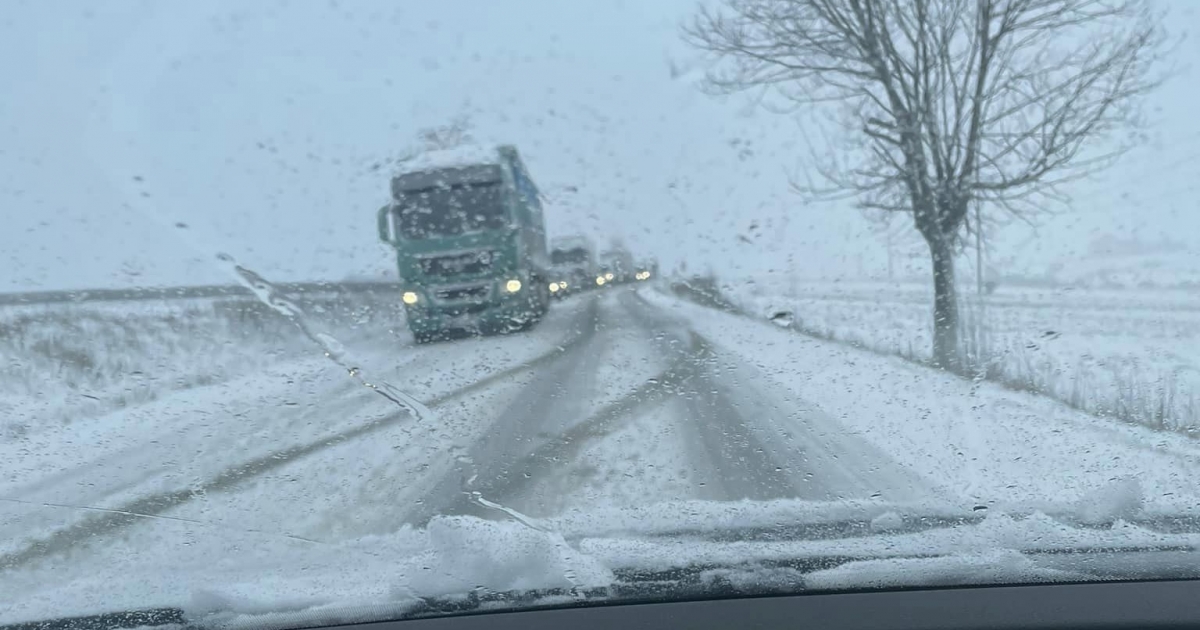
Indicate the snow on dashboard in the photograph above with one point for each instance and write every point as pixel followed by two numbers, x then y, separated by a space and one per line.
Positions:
pixel 684 517
pixel 467 553
pixel 243 578
pixel 1032 533
pixel 990 567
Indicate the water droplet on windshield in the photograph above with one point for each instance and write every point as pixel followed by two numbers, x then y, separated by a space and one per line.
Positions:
pixel 783 319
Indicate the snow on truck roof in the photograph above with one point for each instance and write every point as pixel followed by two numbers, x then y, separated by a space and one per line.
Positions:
pixel 465 155
pixel 569 242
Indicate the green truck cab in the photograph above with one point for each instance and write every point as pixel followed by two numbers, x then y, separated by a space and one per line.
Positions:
pixel 470 240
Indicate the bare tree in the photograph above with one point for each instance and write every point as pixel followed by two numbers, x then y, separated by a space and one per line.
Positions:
pixel 948 101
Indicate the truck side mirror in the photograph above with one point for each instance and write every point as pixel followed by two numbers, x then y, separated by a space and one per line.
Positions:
pixel 385 225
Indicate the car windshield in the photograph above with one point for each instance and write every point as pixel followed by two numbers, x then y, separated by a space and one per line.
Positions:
pixel 451 210
pixel 372 309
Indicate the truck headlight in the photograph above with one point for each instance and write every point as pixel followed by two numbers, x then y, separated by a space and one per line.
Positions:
pixel 554 287
pixel 600 280
pixel 512 286
pixel 409 298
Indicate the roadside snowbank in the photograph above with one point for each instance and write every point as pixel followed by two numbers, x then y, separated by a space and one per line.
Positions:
pixel 1130 354
pixel 991 445
pixel 203 438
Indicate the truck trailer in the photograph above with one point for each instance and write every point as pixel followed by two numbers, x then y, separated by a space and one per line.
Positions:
pixel 470 240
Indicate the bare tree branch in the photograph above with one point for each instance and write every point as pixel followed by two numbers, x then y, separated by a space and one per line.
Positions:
pixel 954 101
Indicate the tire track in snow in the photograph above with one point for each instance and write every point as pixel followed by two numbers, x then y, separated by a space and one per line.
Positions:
pixel 122 516
pixel 106 464
pixel 491 461
pixel 729 460
pixel 724 452
pixel 539 467
pixel 752 445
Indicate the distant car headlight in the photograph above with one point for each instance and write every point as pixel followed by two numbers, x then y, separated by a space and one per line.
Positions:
pixel 600 280
pixel 608 276
pixel 554 287
pixel 512 286
pixel 409 297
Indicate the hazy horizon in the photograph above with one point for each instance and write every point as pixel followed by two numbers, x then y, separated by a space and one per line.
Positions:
pixel 257 127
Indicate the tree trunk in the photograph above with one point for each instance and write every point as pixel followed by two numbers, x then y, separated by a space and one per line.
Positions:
pixel 945 306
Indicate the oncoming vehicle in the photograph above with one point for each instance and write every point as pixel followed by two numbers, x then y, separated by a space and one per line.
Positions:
pixel 574 265
pixel 616 267
pixel 467 227
pixel 645 270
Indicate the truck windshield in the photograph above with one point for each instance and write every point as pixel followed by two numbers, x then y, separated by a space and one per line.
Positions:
pixel 451 210
pixel 568 256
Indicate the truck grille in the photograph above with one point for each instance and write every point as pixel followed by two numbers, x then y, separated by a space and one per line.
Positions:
pixel 465 309
pixel 457 264
pixel 456 294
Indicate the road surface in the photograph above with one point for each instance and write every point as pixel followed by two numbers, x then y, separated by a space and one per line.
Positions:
pixel 610 401
pixel 626 418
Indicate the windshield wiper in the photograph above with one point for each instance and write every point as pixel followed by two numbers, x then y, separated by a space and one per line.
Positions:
pixel 108 621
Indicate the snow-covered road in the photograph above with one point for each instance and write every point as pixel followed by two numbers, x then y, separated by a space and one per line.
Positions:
pixel 624 408
pixel 638 368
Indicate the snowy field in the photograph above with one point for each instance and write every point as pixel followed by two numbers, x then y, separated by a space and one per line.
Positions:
pixel 60 362
pixel 1130 354
pixel 626 422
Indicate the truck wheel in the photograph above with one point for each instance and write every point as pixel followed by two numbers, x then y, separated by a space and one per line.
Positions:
pixel 543 301
pixel 546 298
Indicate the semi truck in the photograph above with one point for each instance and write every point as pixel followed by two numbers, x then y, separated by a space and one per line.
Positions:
pixel 467 227
pixel 574 265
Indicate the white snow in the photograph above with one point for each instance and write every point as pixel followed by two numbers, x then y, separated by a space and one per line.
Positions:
pixel 325 532
pixel 187 439
pixel 640 461
pixel 1122 499
pixel 985 443
pixel 656 517
pixel 238 574
pixel 467 553
pixel 887 520
pixel 571 241
pixel 463 155
pixel 1131 353
pixel 1035 532
pixel 985 567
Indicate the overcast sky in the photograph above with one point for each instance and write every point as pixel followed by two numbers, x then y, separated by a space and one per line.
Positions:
pixel 139 139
